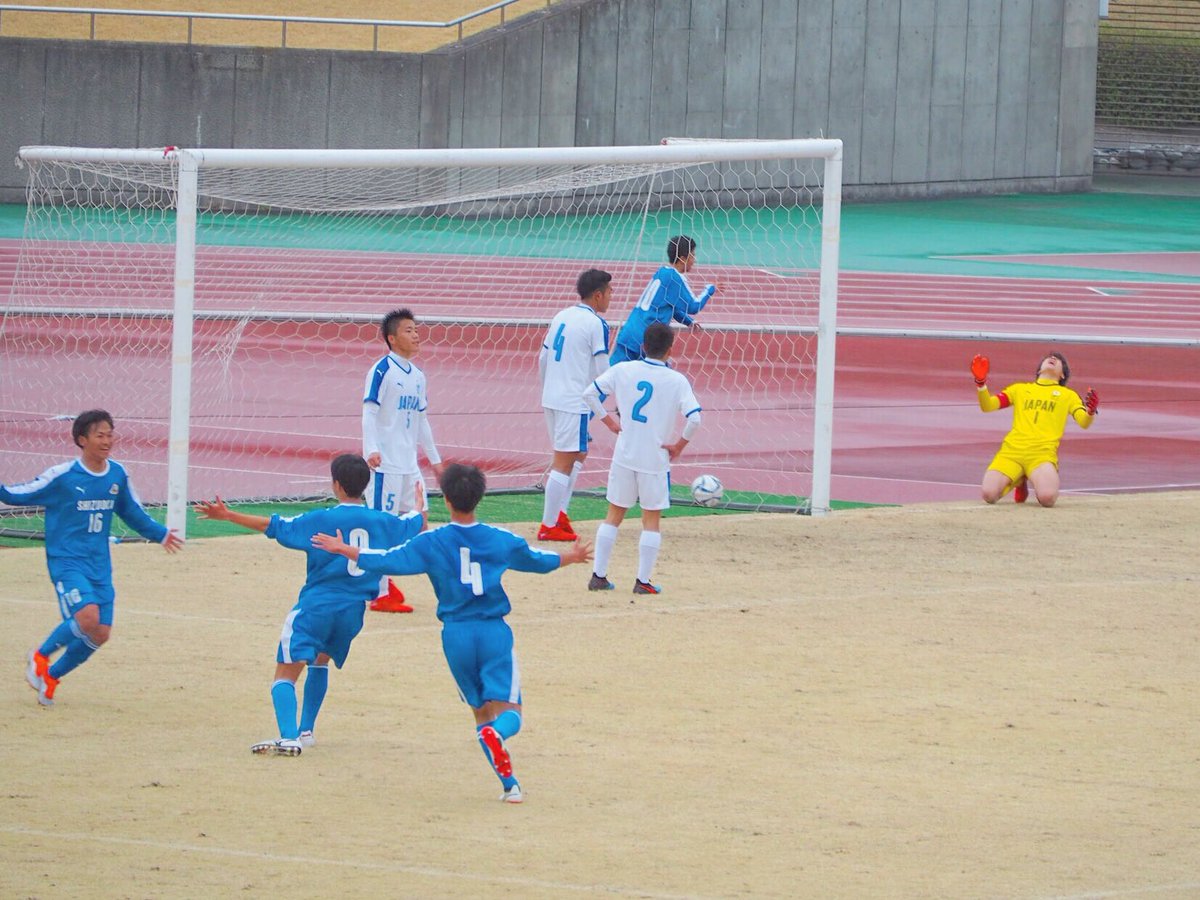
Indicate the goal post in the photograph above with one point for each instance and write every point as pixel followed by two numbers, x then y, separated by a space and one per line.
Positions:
pixel 224 303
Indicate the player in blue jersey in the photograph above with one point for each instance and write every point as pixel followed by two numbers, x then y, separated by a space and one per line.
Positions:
pixel 666 297
pixel 81 498
pixel 651 398
pixel 328 614
pixel 465 561
pixel 573 353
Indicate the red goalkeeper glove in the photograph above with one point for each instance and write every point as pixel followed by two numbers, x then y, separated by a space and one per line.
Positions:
pixel 979 368
pixel 1091 402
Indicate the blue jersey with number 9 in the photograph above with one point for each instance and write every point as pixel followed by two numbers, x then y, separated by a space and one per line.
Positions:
pixel 334 581
pixel 465 564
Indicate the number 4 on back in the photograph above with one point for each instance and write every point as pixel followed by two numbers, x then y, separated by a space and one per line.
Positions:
pixel 470 572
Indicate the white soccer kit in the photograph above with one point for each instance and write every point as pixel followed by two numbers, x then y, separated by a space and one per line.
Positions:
pixel 394 420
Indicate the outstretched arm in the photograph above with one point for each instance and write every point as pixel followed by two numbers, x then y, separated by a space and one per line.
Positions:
pixel 980 366
pixel 216 510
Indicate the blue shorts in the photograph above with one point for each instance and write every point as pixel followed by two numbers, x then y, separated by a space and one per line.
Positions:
pixel 481 659
pixel 75 590
pixel 309 632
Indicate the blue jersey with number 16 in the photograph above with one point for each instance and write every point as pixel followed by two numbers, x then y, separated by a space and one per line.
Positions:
pixel 334 581
pixel 464 563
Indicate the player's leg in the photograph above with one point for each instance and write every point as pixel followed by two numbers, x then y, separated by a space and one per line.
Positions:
pixel 1001 475
pixel 297 647
pixel 621 495
pixel 341 628
pixel 1045 481
pixel 654 494
pixel 316 685
pixel 568 437
pixel 88 612
pixel 481 659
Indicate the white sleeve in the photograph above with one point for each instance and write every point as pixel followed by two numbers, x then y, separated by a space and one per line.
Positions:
pixel 370 418
pixel 591 394
pixel 691 425
pixel 542 354
pixel 425 439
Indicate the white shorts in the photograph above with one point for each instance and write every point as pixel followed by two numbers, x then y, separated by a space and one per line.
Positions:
pixel 627 487
pixel 568 431
pixel 394 493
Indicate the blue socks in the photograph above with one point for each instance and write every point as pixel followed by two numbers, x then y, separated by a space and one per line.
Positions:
pixel 66 632
pixel 78 651
pixel 316 683
pixel 506 725
pixel 283 696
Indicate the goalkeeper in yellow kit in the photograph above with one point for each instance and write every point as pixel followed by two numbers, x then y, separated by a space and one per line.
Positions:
pixel 1029 454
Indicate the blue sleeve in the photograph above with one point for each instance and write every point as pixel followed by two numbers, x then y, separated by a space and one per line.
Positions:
pixel 523 558
pixel 130 509
pixel 293 532
pixel 696 304
pixel 407 559
pixel 404 528
pixel 677 295
pixel 37 492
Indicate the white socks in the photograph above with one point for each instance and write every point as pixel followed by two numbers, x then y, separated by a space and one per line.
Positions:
pixel 647 553
pixel 606 537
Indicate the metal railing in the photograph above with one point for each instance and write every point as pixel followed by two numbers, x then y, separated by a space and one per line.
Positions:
pixel 192 16
pixel 1148 87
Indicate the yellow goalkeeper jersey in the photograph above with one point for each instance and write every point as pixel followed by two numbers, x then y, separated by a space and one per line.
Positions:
pixel 1040 411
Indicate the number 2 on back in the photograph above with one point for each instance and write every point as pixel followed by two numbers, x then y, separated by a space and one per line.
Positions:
pixel 647 390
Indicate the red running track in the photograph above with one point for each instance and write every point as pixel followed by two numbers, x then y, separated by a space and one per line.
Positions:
pixel 906 424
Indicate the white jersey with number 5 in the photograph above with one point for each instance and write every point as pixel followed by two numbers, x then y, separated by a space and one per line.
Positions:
pixel 651 398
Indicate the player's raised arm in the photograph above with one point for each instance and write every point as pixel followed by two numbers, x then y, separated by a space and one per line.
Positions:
pixel 980 367
pixel 1085 415
pixel 217 511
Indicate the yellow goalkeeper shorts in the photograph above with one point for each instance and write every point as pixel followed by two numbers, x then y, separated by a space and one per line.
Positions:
pixel 1014 464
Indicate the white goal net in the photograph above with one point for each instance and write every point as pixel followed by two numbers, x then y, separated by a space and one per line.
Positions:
pixel 224 306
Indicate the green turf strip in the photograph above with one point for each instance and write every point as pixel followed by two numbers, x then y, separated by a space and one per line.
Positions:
pixel 498 508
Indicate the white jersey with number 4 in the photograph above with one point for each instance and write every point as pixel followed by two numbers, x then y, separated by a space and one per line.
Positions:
pixel 575 351
pixel 651 398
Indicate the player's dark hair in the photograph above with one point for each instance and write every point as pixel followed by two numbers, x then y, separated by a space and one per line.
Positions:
pixel 1062 359
pixel 463 486
pixel 679 247
pixel 657 340
pixel 84 422
pixel 391 324
pixel 352 472
pixel 591 281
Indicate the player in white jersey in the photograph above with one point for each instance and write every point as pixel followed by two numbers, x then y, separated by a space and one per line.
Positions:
pixel 465 562
pixel 651 397
pixel 574 352
pixel 395 424
pixel 80 498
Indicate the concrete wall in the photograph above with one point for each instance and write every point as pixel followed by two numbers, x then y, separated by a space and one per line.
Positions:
pixel 932 97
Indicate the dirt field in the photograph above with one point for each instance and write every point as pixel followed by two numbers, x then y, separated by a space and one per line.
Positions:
pixel 931 701
pixel 270 34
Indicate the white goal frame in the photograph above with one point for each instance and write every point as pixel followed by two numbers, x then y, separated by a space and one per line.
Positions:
pixel 189 162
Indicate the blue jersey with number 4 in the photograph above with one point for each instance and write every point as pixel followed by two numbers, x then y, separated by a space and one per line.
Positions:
pixel 80 505
pixel 334 581
pixel 464 563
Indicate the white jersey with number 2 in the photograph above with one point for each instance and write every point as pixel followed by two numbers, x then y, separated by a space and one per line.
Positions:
pixel 651 398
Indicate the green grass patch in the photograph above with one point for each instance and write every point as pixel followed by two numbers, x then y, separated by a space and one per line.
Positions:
pixel 26 530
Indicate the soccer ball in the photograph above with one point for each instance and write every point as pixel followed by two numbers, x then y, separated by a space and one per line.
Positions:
pixel 707 490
